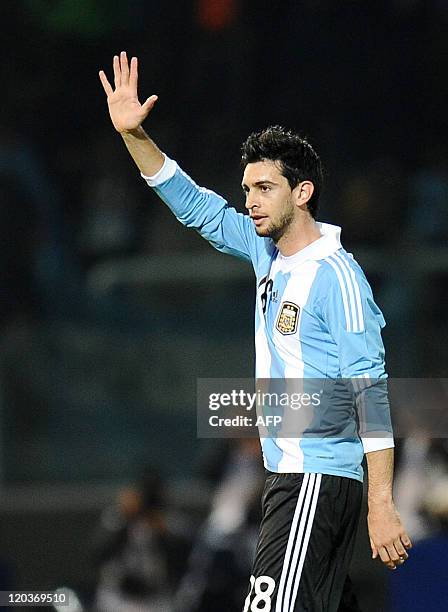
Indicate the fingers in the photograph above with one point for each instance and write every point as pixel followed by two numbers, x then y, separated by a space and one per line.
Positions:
pixel 124 68
pixel 374 549
pixel 125 75
pixel 385 558
pixel 392 555
pixel 105 83
pixel 406 541
pixel 401 551
pixel 117 71
pixel 133 74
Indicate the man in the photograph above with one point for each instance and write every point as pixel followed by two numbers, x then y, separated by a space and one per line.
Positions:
pixel 315 318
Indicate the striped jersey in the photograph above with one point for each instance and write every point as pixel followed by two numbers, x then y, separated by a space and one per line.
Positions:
pixel 315 320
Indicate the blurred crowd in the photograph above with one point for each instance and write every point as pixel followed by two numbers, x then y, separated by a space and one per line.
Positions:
pixel 151 557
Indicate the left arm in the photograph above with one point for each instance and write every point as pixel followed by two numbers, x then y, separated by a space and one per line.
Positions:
pixel 355 325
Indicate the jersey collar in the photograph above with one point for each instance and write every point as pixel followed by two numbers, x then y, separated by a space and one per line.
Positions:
pixel 326 245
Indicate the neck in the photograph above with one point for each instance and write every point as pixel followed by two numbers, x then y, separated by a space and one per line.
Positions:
pixel 302 231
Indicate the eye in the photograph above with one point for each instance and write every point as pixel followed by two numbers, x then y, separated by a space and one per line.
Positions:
pixel 265 188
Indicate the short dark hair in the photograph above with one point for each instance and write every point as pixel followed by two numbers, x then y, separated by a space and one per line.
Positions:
pixel 298 160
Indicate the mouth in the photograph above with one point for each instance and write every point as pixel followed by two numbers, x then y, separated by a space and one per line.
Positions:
pixel 258 219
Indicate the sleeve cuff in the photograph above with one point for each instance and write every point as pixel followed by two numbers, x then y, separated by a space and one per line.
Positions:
pixel 377 441
pixel 166 172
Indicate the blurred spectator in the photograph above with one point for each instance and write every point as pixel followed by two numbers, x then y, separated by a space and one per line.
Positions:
pixel 138 551
pixel 220 563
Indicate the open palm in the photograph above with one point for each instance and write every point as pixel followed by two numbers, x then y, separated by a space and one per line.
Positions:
pixel 125 110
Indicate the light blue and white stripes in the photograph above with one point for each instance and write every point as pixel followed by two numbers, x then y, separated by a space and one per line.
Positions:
pixel 351 295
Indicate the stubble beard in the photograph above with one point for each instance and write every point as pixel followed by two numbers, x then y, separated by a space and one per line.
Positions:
pixel 276 229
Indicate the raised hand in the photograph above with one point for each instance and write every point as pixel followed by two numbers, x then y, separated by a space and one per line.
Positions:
pixel 125 110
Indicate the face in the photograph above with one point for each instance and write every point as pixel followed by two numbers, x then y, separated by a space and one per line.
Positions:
pixel 268 199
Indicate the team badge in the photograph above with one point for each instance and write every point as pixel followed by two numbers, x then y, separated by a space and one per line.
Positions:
pixel 288 318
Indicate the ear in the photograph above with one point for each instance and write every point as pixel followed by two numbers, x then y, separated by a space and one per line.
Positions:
pixel 302 193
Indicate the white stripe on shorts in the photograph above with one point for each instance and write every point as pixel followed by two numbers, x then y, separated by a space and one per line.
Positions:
pixel 299 536
pixel 306 540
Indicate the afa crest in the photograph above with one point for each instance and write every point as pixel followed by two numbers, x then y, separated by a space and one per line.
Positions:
pixel 288 318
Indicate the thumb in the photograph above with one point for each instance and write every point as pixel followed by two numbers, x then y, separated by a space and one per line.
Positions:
pixel 149 103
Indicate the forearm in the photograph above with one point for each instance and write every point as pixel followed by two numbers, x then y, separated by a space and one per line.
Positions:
pixel 380 467
pixel 145 153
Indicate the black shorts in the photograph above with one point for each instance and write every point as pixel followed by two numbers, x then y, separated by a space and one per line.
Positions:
pixel 305 544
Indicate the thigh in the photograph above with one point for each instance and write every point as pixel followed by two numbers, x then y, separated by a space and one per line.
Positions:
pixel 305 543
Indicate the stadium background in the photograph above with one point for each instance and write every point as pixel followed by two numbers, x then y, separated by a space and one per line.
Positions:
pixel 110 310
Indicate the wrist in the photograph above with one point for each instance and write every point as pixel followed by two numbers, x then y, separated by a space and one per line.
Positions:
pixel 137 132
pixel 380 499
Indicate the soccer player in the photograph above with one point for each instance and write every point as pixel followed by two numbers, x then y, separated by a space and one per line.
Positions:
pixel 315 318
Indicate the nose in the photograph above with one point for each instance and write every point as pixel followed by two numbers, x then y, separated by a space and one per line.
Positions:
pixel 249 204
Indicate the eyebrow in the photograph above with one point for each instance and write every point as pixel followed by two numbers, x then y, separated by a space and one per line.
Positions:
pixel 258 183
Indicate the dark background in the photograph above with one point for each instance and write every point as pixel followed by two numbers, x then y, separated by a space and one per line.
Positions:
pixel 109 310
